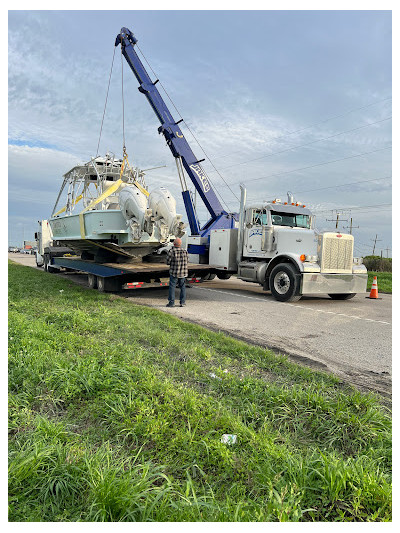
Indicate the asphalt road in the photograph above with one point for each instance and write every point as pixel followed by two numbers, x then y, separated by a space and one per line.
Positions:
pixel 352 339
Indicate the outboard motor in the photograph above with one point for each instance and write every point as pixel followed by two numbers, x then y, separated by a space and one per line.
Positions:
pixel 133 204
pixel 163 208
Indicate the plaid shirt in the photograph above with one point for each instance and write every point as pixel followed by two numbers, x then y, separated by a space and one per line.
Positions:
pixel 177 259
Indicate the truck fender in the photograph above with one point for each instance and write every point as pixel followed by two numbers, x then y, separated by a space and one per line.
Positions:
pixel 282 258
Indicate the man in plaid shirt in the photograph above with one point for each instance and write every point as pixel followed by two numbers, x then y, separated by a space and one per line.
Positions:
pixel 177 259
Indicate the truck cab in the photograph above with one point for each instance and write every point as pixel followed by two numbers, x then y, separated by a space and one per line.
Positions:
pixel 271 227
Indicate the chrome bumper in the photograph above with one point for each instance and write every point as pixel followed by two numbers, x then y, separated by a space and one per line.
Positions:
pixel 316 283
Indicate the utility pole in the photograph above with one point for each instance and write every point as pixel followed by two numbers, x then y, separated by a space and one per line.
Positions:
pixel 337 220
pixel 387 251
pixel 375 241
pixel 351 226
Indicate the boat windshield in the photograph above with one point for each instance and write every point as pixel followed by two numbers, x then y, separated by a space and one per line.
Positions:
pixel 290 219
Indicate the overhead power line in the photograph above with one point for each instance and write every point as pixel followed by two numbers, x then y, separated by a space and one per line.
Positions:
pixel 312 166
pixel 352 208
pixel 344 184
pixel 304 144
pixel 336 186
pixel 312 125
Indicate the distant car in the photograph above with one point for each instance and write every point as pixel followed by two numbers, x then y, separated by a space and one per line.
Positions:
pixel 23 251
pixel 13 249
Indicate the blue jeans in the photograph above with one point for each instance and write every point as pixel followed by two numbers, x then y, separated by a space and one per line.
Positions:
pixel 172 284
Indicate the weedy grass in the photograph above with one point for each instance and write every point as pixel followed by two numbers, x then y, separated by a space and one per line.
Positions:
pixel 116 413
pixel 384 280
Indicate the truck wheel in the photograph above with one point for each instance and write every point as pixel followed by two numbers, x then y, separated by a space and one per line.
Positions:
pixel 92 281
pixel 342 296
pixel 284 283
pixel 223 275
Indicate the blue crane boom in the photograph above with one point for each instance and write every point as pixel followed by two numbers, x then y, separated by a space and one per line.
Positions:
pixel 177 144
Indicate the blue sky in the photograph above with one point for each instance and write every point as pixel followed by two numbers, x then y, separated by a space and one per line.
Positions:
pixel 279 100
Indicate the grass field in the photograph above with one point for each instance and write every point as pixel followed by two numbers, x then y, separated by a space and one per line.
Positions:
pixel 384 280
pixel 116 413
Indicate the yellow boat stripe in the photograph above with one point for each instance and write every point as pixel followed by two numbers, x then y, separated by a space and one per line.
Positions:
pixel 82 225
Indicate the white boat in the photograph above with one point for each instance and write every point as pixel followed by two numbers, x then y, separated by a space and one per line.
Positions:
pixel 108 213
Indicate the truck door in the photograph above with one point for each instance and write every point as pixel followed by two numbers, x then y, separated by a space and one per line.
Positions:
pixel 255 220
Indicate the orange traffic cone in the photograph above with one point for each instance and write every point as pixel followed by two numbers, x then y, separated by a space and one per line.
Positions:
pixel 374 290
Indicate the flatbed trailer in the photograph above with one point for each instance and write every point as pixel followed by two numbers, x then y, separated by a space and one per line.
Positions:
pixel 113 277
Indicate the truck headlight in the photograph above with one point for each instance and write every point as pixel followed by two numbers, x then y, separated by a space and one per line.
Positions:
pixel 312 258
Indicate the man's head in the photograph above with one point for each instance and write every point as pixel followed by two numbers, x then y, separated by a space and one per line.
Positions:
pixel 177 242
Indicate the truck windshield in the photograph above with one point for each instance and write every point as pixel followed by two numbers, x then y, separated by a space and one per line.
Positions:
pixel 290 219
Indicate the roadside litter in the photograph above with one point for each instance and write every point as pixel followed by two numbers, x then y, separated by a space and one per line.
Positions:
pixel 228 439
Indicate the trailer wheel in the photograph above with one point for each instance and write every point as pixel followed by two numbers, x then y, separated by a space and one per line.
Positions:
pixel 101 285
pixel 284 283
pixel 92 281
pixel 342 296
pixel 223 275
pixel 208 277
pixel 47 267
pixel 108 284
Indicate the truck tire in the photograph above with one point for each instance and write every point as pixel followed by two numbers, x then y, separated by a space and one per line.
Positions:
pixel 223 275
pixel 284 283
pixel 92 281
pixel 342 296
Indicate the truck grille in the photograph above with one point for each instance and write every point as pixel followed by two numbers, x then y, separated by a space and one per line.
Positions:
pixel 336 252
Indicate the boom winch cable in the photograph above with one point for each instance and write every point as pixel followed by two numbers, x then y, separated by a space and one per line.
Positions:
pixel 194 137
pixel 123 102
pixel 105 105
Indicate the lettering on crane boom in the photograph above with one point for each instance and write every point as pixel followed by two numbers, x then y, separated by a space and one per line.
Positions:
pixel 202 176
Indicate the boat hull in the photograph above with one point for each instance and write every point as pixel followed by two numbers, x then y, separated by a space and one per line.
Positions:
pixel 100 231
pixel 90 225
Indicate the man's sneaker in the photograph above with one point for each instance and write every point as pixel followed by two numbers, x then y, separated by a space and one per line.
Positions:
pixel 183 305
pixel 170 305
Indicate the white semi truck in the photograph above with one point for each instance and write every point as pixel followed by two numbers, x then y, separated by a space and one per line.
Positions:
pixel 277 246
